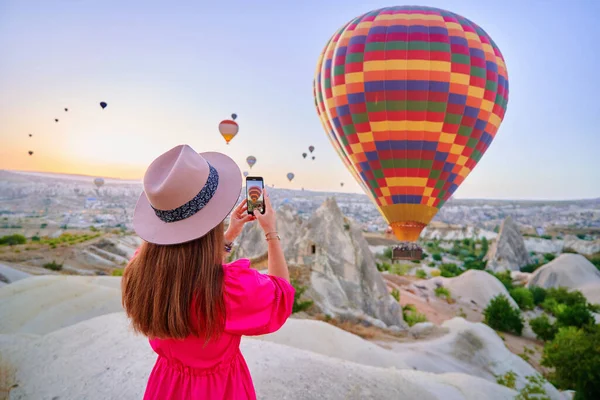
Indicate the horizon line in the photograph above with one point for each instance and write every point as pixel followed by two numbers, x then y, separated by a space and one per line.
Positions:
pixel 315 191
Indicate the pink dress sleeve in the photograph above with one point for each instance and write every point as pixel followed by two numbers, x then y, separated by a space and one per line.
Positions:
pixel 255 303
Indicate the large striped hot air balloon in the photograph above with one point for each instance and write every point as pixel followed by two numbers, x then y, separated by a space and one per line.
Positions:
pixel 251 160
pixel 254 193
pixel 411 98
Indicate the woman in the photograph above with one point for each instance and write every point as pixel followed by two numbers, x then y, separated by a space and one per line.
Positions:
pixel 176 290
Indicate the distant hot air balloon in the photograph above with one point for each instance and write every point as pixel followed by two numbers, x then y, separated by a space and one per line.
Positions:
pixel 30 152
pixel 245 174
pixel 342 184
pixel 313 157
pixel 251 160
pixel 254 193
pixel 234 116
pixel 76 190
pixel 66 109
pixel 304 155
pixel 411 98
pixel 55 119
pixel 228 129
pixel 103 105
pixel 99 182
pixel 311 148
pixel 290 176
pixel 30 135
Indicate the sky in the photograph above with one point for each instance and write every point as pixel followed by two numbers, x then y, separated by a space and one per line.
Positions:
pixel 171 71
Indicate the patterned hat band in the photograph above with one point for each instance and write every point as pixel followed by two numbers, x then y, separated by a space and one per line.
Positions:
pixel 196 204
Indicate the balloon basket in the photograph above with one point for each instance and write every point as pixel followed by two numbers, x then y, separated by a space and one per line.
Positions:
pixel 407 251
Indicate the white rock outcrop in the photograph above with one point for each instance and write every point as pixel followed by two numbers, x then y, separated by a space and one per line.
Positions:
pixel 572 271
pixel 508 251
pixel 344 279
pixel 471 288
pixel 102 359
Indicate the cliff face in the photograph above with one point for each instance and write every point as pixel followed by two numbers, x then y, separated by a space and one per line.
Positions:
pixel 344 277
pixel 508 252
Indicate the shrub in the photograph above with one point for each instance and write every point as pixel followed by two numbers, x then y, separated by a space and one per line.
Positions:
pixel 299 305
pixel 549 257
pixel 530 267
pixel 383 266
pixel 534 389
pixel 443 292
pixel 450 270
pixel 475 264
pixel 437 256
pixel 400 269
pixel 543 328
pixel 575 358
pixel 500 315
pixel 505 278
pixel 411 316
pixel 569 250
pixel 550 305
pixel 421 274
pixel 595 259
pixel 35 238
pixel 396 294
pixel 387 253
pixel 12 240
pixel 117 272
pixel 54 266
pixel 577 315
pixel 509 379
pixel 435 272
pixel 43 226
pixel 564 296
pixel 523 297
pixel 538 293
pixel 484 246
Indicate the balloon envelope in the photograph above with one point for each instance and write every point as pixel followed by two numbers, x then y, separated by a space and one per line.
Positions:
pixel 30 153
pixel 245 174
pixel 251 160
pixel 228 129
pixel 254 193
pixel 55 119
pixel 311 148
pixel 411 98
pixel 304 155
pixel 99 182
pixel 290 176
pixel 66 109
pixel 233 116
pixel 103 105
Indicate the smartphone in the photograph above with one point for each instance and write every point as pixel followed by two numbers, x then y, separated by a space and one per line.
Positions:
pixel 254 194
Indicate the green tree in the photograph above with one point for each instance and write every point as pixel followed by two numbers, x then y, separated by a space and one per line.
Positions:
pixel 484 247
pixel 299 305
pixel 574 354
pixel 523 297
pixel 543 328
pixel 539 294
pixel 437 256
pixel 500 315
pixel 12 240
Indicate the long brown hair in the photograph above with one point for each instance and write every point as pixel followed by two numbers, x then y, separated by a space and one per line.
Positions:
pixel 162 284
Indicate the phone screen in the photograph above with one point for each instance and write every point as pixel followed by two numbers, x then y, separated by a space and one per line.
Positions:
pixel 254 194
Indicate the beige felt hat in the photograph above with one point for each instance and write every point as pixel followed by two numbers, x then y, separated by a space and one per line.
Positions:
pixel 186 195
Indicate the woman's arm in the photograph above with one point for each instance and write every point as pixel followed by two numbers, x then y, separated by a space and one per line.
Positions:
pixel 277 266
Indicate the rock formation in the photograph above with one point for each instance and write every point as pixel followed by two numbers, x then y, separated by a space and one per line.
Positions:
pixel 508 252
pixel 344 277
pixel 101 358
pixel 572 271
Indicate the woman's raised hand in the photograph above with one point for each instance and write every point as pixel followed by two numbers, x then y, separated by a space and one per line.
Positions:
pixel 239 216
pixel 267 220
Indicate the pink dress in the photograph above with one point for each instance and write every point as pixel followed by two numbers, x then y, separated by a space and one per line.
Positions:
pixel 256 304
